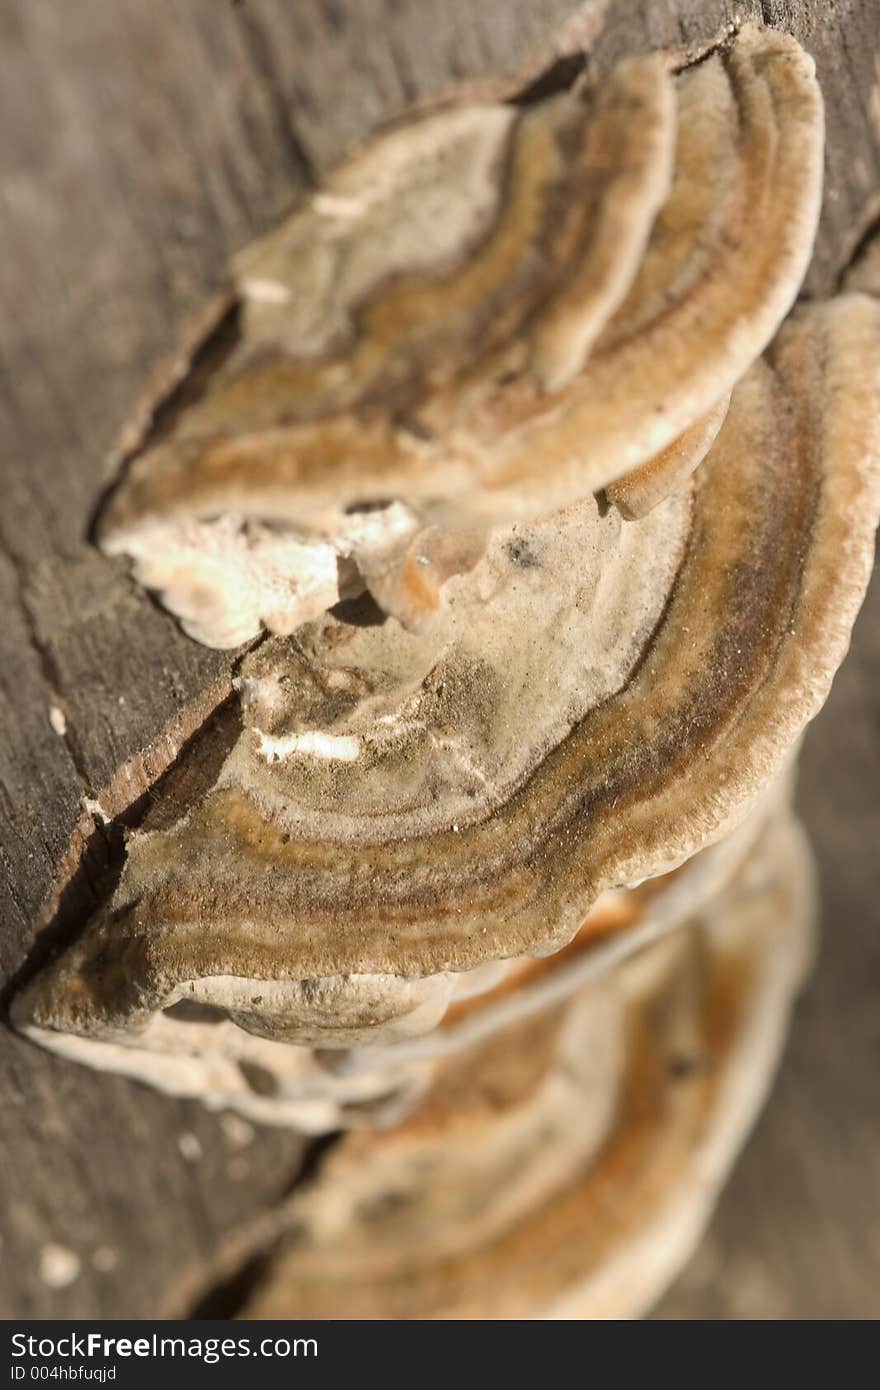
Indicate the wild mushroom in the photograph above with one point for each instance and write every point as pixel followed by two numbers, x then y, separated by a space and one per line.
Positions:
pixel 396 809
pixel 439 240
pixel 561 548
pixel 567 1168
pixel 190 1047
pixel 543 337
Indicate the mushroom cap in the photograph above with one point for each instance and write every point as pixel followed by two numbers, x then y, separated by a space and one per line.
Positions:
pixel 664 755
pixel 725 260
pixel 446 237
pixel 261 1047
pixel 482 1217
pixel 757 620
pixel 563 326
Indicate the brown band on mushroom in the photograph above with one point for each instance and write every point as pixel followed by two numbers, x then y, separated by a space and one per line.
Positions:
pixel 629 155
pixel 399 276
pixel 343 1052
pixel 723 266
pixel 621 923
pixel 465 393
pixel 434 245
pixel 481 1218
pixel 758 619
pixel 639 492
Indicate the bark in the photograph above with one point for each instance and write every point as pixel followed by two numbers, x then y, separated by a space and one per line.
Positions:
pixel 142 144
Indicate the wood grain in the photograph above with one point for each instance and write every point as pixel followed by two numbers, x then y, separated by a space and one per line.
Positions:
pixel 141 145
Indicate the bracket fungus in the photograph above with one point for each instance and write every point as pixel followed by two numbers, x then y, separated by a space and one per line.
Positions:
pixel 557 514
pixel 565 1167
pixel 489 314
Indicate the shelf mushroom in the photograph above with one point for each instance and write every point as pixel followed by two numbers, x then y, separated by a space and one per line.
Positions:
pixel 387 1030
pixel 401 805
pixel 557 515
pixel 489 314
pixel 565 1166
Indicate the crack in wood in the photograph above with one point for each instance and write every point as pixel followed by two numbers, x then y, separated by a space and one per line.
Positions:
pixel 46 663
pixel 136 797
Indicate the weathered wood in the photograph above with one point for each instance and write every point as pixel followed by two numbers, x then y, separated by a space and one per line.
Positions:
pixel 141 144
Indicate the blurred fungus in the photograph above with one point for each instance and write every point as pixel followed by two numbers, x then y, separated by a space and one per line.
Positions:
pixel 561 526
pixel 567 1167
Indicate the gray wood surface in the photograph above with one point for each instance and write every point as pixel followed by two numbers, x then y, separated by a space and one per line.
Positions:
pixel 139 145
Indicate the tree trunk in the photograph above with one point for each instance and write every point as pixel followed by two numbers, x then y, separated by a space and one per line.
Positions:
pixel 142 144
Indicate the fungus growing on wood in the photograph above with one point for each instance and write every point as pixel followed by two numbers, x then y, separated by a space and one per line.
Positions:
pixel 582 302
pixel 560 532
pixel 567 1166
pixel 597 700
pixel 390 1033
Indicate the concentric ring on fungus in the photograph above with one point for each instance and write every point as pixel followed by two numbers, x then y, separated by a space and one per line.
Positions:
pixel 580 305
pixel 559 516
pixel 777 556
pixel 568 1170
pixel 561 536
pixel 353 1051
